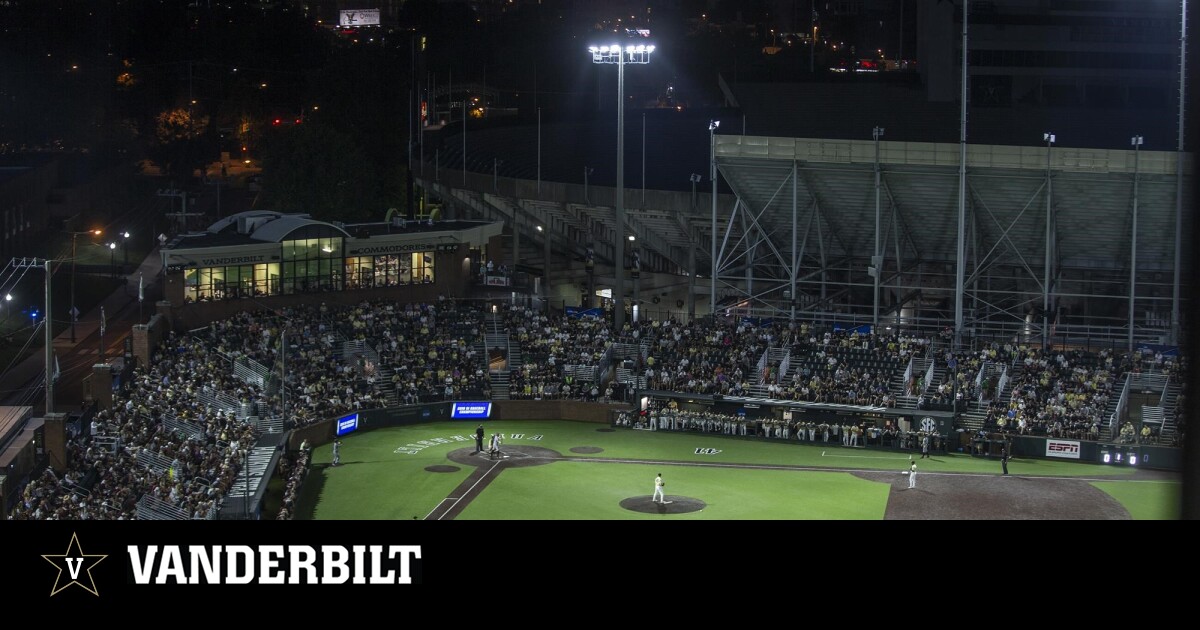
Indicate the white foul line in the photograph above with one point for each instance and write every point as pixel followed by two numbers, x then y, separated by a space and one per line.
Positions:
pixel 485 475
pixel 439 504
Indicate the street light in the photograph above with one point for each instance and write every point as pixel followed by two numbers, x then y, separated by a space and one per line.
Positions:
pixel 75 313
pixel 616 54
pixel 125 247
pixel 112 252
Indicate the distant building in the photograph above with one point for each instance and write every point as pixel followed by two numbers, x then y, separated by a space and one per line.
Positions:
pixel 287 258
pixel 26 183
pixel 1055 53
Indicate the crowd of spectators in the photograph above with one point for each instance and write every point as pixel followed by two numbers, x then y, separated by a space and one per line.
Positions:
pixel 552 347
pixel 111 466
pixel 293 468
pixel 1057 393
pixel 409 353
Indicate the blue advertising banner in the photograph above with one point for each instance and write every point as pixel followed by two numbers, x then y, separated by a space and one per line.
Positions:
pixel 347 424
pixel 470 410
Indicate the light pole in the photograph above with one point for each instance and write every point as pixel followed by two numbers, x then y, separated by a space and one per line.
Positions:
pixel 1136 141
pixel 619 55
pixel 877 257
pixel 74 313
pixel 112 254
pixel 125 248
pixel 712 173
pixel 587 170
pixel 1049 138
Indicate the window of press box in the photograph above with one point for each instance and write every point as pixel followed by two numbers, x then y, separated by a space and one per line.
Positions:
pixel 227 283
pixel 364 272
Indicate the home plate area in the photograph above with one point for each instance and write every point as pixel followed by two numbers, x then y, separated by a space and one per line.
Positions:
pixel 512 455
pixel 675 504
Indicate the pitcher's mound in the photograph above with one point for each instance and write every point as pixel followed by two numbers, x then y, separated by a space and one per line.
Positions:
pixel 674 505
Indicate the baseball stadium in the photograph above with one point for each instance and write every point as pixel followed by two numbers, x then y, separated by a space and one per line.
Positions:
pixel 779 308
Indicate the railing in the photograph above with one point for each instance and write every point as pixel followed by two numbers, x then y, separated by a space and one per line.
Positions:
pixel 247 375
pixel 785 364
pixel 1002 383
pixel 928 377
pixel 908 372
pixel 1118 414
pixel 218 400
pixel 625 351
pixel 762 364
pixel 581 372
pixel 107 442
pixel 189 430
pixel 153 461
pixel 154 509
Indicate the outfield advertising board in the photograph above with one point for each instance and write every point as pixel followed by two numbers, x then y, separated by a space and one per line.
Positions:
pixel 470 410
pixel 347 424
pixel 1067 449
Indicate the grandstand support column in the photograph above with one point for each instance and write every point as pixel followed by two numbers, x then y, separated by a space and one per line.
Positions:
pixel 877 256
pixel 960 258
pixel 1175 319
pixel 821 250
pixel 539 150
pixel 637 287
pixel 619 237
pixel 1136 141
pixel 283 371
pixel 795 252
pixel 546 260
pixel 685 226
pixel 1046 272
pixel 691 299
pixel 516 239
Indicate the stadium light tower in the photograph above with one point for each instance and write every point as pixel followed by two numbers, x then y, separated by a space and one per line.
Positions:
pixel 620 55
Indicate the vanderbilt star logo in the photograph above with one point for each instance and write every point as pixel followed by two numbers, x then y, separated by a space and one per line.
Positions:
pixel 75 562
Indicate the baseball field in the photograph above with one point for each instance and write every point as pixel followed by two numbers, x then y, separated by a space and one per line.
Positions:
pixel 565 470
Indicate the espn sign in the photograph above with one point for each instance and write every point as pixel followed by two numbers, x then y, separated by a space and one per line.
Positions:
pixel 1062 448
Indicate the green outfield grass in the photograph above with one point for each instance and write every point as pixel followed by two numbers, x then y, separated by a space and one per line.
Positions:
pixel 383 475
pixel 1146 501
pixel 593 491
